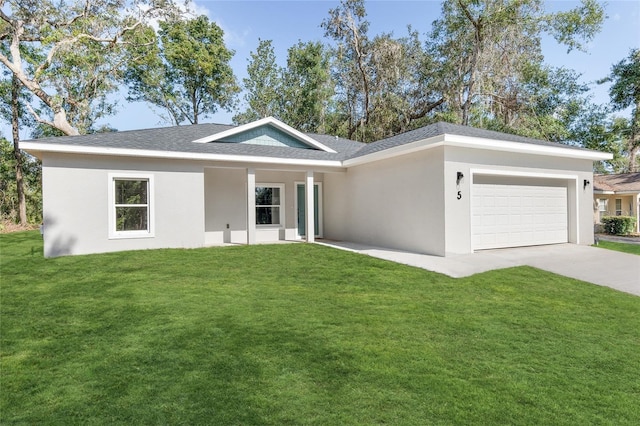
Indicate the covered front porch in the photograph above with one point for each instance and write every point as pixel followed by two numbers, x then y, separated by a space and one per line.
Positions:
pixel 251 205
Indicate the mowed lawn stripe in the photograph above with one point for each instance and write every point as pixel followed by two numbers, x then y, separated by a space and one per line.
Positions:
pixel 623 247
pixel 305 334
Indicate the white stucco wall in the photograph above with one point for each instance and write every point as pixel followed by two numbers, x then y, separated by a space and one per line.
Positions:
pixel 409 202
pixel 394 203
pixel 76 210
pixel 225 204
pixel 535 169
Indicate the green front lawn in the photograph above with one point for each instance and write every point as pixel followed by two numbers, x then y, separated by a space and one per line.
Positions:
pixel 623 247
pixel 305 334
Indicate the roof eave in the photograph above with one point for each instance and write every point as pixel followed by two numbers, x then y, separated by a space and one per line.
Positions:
pixel 479 143
pixel 622 192
pixel 395 151
pixel 37 149
pixel 525 148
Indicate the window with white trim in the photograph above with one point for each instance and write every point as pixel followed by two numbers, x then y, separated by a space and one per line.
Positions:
pixel 130 206
pixel 602 204
pixel 602 208
pixel 269 204
pixel 618 206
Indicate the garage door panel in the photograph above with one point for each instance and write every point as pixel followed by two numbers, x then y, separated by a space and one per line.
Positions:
pixel 518 215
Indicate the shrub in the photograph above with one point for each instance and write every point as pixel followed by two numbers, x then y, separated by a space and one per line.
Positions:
pixel 618 225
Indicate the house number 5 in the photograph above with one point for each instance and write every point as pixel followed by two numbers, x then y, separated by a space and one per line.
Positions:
pixel 459 195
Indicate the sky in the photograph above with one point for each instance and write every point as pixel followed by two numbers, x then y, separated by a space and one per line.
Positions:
pixel 287 22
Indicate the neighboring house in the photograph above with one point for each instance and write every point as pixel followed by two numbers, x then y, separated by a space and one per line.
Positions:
pixel 617 195
pixel 442 189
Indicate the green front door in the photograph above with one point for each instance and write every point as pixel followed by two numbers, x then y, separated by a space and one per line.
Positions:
pixel 301 209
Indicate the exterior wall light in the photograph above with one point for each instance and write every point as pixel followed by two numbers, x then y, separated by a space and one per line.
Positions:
pixel 459 177
pixel 585 183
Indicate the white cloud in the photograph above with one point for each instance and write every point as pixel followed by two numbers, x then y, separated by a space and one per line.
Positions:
pixel 233 39
pixel 195 10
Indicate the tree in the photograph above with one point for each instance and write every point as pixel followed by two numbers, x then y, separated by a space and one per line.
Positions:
pixel 383 85
pixel 593 128
pixel 489 54
pixel 71 55
pixel 347 26
pixel 32 187
pixel 12 100
pixel 618 135
pixel 17 154
pixel 546 105
pixel 188 74
pixel 263 86
pixel 405 92
pixel 298 94
pixel 624 93
pixel 79 77
pixel 307 87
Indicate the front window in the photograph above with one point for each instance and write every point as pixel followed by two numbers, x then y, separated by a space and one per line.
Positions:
pixel 132 205
pixel 130 199
pixel 618 206
pixel 269 201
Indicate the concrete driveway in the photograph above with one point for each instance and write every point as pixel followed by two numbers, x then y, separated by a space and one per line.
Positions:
pixel 617 270
pixel 591 264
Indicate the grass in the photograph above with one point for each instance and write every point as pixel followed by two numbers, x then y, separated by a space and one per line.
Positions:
pixel 305 334
pixel 623 247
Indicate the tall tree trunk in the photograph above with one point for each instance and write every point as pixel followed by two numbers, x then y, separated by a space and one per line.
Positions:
pixel 194 106
pixel 15 127
pixel 473 66
pixel 634 149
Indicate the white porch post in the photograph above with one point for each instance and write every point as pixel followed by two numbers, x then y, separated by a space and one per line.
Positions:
pixel 251 206
pixel 310 207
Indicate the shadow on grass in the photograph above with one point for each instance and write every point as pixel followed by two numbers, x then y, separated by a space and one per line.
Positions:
pixel 163 369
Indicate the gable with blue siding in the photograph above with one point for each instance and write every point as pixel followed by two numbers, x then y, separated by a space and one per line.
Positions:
pixel 266 135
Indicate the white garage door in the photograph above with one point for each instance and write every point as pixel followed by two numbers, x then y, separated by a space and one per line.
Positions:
pixel 518 215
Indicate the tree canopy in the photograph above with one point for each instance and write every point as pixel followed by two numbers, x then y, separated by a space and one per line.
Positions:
pixel 262 86
pixel 481 64
pixel 70 55
pixel 187 73
pixel 490 58
pixel 383 84
pixel 625 93
pixel 298 94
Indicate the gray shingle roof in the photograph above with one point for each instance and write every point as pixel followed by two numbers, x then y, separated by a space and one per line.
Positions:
pixel 442 128
pixel 180 139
